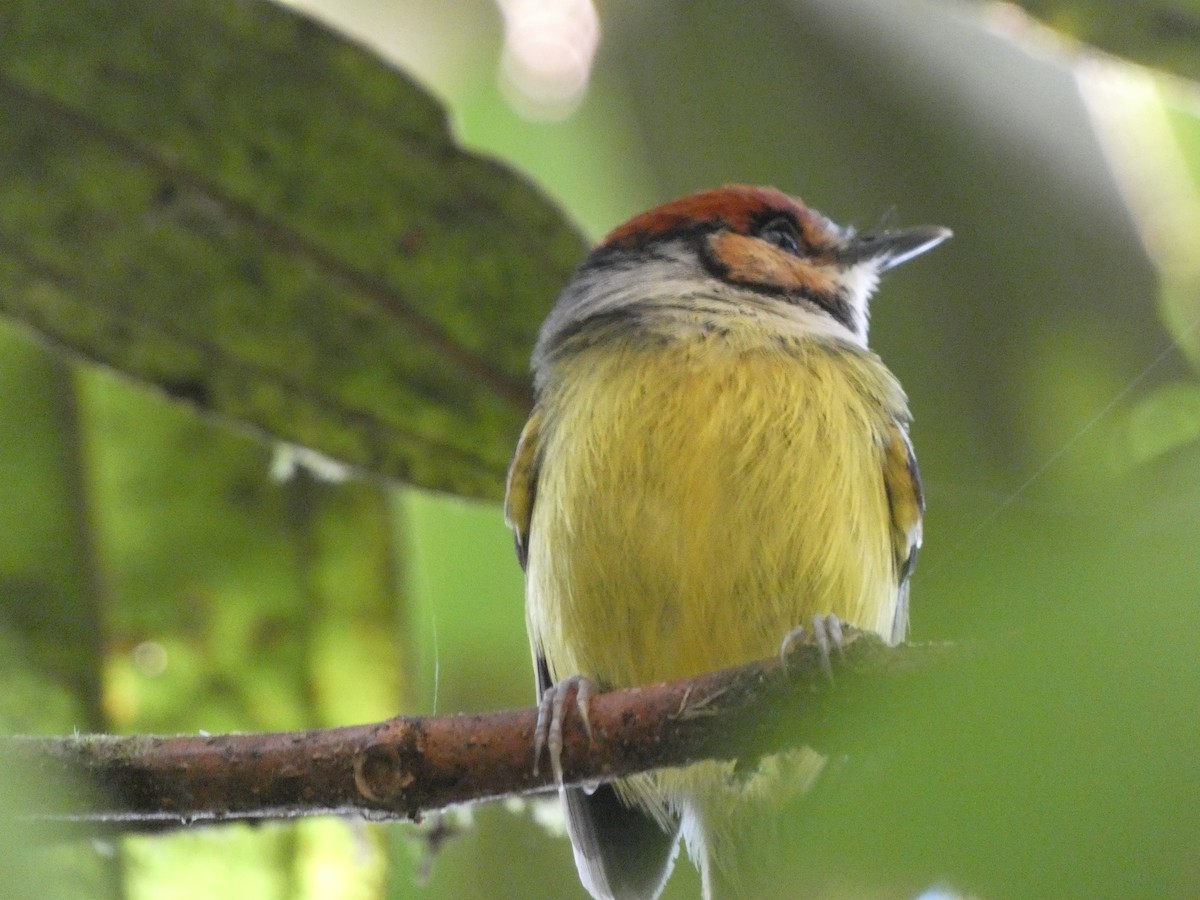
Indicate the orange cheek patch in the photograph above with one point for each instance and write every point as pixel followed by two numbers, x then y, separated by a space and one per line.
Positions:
pixel 751 262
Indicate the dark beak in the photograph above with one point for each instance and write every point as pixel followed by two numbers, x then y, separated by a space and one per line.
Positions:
pixel 890 248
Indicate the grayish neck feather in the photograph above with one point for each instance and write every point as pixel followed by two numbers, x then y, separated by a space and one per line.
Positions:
pixel 673 274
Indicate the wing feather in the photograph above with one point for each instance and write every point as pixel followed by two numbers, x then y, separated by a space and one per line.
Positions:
pixel 522 484
pixel 902 480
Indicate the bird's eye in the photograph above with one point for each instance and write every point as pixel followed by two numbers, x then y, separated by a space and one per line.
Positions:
pixel 781 233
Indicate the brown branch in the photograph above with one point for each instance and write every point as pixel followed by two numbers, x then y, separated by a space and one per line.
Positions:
pixel 407 766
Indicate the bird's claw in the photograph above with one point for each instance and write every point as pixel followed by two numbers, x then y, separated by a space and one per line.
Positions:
pixel 548 732
pixel 825 633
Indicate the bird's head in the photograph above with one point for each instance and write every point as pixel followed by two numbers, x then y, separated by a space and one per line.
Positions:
pixel 742 245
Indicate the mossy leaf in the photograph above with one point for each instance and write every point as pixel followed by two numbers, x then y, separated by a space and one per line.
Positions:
pixel 231 203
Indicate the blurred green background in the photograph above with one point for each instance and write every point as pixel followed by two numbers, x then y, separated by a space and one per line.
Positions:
pixel 155 576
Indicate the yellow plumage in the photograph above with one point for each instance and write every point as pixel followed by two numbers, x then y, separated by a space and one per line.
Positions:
pixel 697 500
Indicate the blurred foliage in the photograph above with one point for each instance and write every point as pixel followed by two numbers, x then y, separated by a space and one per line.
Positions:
pixel 1162 34
pixel 1166 419
pixel 40 859
pixel 270 224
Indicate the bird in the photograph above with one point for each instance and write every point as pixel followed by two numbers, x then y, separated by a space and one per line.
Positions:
pixel 714 457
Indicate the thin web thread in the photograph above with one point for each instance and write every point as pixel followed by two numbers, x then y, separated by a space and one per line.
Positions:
pixel 1118 398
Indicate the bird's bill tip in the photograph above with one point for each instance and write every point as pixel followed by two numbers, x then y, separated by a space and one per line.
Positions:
pixel 891 248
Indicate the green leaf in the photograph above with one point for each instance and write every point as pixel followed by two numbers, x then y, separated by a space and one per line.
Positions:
pixel 50 604
pixel 1167 418
pixel 229 202
pixel 1157 33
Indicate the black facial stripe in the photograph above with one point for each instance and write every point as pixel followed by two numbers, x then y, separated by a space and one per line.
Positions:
pixel 624 256
pixel 837 305
pixel 767 216
pixel 715 265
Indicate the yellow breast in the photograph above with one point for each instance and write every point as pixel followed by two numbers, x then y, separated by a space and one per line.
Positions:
pixel 699 497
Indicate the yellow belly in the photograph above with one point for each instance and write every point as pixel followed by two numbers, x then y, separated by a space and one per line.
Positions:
pixel 697 500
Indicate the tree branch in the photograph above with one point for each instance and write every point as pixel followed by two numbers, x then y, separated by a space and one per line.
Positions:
pixel 406 766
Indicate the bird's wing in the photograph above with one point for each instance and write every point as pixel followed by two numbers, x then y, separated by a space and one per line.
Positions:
pixel 902 481
pixel 620 851
pixel 522 484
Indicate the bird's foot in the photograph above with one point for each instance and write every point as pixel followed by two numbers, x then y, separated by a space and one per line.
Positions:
pixel 548 732
pixel 826 633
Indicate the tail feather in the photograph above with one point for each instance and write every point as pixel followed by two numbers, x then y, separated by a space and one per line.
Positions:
pixel 622 852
